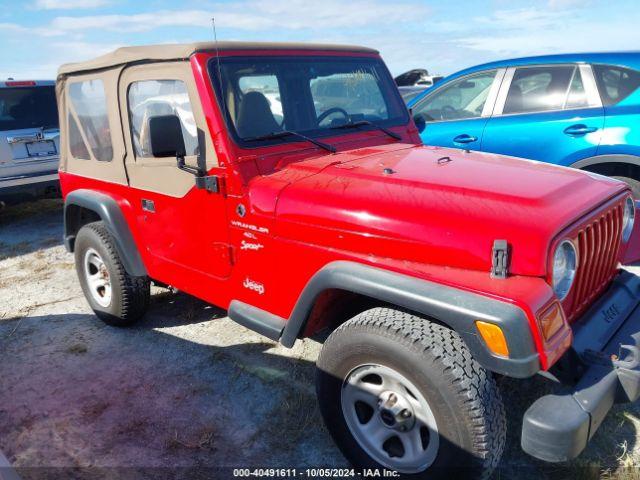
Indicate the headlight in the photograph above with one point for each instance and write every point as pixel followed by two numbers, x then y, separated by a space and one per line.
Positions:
pixel 565 263
pixel 628 219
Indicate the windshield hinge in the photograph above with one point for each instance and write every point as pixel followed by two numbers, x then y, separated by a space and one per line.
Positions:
pixel 500 259
pixel 210 183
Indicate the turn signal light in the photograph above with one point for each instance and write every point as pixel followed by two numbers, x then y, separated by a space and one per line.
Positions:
pixel 551 321
pixel 494 338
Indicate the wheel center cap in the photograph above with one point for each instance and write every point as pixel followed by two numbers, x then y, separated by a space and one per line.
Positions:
pixel 395 411
pixel 387 417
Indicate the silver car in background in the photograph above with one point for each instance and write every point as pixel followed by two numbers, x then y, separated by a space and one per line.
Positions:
pixel 29 140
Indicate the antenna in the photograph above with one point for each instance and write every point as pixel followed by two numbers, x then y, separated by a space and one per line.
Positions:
pixel 223 100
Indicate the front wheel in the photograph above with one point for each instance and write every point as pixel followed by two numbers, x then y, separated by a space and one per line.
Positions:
pixel 400 392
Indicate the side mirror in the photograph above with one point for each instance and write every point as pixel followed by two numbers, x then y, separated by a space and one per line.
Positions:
pixel 420 121
pixel 165 137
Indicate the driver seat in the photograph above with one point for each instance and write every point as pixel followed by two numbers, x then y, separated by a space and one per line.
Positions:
pixel 254 116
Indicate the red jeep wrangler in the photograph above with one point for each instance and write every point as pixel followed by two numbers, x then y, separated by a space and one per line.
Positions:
pixel 286 184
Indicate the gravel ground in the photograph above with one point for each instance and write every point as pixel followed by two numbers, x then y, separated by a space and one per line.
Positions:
pixel 184 390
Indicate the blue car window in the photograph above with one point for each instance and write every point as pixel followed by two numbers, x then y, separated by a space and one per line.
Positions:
pixel 615 83
pixel 461 99
pixel 538 89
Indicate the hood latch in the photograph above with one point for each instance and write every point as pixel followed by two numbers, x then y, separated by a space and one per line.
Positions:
pixel 500 259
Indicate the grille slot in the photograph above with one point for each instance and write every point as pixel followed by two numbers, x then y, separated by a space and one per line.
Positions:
pixel 597 244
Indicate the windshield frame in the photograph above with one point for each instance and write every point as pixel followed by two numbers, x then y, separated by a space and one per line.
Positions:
pixel 388 91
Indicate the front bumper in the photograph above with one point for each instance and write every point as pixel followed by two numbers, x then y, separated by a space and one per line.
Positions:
pixel 557 427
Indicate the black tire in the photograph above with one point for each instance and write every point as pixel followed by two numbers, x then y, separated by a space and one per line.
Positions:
pixel 634 185
pixel 129 294
pixel 463 397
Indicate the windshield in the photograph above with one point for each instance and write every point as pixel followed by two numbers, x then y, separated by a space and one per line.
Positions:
pixel 310 95
pixel 30 107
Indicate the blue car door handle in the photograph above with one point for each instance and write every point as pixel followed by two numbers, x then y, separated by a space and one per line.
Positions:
pixel 579 129
pixel 464 138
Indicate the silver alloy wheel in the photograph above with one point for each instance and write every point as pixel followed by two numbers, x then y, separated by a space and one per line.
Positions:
pixel 97 276
pixel 389 418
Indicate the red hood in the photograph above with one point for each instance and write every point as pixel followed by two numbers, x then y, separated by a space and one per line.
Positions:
pixel 438 206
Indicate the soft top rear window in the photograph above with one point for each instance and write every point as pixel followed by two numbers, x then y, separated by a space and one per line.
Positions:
pixel 306 94
pixel 28 107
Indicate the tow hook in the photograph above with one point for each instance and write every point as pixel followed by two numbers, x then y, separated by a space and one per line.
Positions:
pixel 630 361
pixel 626 367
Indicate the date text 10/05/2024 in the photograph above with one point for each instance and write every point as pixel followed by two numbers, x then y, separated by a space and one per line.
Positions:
pixel 315 473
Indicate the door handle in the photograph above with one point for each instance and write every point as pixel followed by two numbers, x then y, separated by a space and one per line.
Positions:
pixel 578 130
pixel 464 138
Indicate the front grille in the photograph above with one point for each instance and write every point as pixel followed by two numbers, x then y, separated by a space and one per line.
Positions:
pixel 598 243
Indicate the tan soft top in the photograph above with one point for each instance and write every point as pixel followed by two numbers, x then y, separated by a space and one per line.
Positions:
pixel 179 51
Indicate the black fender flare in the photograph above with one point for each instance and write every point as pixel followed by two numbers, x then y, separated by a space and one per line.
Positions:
pixel 610 158
pixel 107 209
pixel 458 309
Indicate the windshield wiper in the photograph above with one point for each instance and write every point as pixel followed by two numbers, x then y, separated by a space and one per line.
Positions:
pixel 289 133
pixel 362 123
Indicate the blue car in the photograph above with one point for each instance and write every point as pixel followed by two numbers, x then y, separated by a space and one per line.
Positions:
pixel 576 110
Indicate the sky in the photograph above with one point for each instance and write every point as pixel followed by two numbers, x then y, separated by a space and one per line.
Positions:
pixel 443 36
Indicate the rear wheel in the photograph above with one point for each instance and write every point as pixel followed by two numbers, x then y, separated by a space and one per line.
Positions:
pixel 400 392
pixel 116 297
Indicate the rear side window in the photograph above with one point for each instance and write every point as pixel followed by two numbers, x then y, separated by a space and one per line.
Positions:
pixel 89 101
pixel 150 98
pixel 615 83
pixel 539 89
pixel 76 142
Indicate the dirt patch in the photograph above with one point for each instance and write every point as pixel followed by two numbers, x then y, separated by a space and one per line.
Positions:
pixel 205 441
pixel 11 250
pixel 77 349
pixel 30 210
